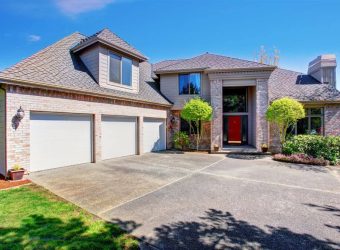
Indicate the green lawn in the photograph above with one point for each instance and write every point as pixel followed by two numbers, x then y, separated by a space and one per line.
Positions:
pixel 33 218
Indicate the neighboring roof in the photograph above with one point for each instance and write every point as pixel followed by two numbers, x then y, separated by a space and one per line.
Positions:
pixel 300 86
pixel 110 39
pixel 56 66
pixel 207 61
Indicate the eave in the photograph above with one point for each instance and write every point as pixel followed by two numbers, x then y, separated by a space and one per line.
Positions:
pixel 47 86
pixel 92 41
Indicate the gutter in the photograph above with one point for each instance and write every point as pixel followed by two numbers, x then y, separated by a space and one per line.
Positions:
pixel 207 70
pixel 27 83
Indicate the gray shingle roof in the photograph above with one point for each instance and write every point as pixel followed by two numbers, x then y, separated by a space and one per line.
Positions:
pixel 300 86
pixel 112 40
pixel 60 68
pixel 207 61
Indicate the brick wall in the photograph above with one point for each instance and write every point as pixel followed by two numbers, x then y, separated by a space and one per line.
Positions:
pixel 262 126
pixel 216 102
pixel 332 120
pixel 18 141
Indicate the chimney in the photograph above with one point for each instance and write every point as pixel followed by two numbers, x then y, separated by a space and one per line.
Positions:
pixel 323 69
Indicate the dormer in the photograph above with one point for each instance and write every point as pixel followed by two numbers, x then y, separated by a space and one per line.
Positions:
pixel 112 62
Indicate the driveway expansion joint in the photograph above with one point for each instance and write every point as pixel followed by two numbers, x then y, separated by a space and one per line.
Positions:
pixel 164 186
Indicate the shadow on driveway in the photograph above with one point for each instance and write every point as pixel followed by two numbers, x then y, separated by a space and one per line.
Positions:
pixel 221 230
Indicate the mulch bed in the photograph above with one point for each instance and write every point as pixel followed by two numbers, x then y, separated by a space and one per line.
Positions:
pixel 8 184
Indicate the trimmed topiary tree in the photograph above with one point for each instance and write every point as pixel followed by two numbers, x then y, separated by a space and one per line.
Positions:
pixel 197 111
pixel 283 113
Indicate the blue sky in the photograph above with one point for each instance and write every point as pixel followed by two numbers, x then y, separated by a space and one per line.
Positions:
pixel 164 29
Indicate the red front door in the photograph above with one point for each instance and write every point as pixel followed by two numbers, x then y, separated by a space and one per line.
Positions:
pixel 234 129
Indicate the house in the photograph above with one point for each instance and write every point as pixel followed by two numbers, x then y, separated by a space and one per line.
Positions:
pixel 240 92
pixel 91 98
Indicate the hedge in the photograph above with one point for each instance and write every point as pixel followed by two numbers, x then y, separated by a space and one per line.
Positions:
pixel 322 147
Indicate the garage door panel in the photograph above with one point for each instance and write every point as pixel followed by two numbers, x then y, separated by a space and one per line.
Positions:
pixel 118 136
pixel 154 135
pixel 59 140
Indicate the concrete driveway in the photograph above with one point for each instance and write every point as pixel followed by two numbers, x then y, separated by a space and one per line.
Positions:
pixel 199 201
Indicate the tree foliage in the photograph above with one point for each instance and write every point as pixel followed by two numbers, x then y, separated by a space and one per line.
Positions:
pixel 283 113
pixel 197 111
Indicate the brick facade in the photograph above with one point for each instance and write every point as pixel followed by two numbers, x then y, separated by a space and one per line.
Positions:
pixel 39 100
pixel 217 104
pixel 262 126
pixel 332 120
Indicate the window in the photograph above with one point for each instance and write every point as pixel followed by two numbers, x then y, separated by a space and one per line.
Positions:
pixel 234 100
pixel 190 130
pixel 120 70
pixel 311 124
pixel 190 84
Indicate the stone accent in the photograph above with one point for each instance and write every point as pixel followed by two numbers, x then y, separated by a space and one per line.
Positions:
pixel 332 120
pixel 262 127
pixel 217 119
pixel 40 100
pixel 274 139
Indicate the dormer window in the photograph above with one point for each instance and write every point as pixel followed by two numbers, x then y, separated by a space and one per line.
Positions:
pixel 120 70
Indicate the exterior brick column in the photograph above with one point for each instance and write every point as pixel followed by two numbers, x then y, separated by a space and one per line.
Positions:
pixel 262 127
pixel 217 104
pixel 332 120
pixel 97 130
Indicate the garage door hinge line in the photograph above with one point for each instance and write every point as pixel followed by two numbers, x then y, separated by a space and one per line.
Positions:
pixel 166 185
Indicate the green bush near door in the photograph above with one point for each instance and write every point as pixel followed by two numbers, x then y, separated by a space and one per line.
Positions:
pixel 326 147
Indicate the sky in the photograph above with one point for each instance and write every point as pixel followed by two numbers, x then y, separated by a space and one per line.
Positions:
pixel 171 29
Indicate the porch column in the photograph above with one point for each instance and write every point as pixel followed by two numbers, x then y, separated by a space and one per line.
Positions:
pixel 216 96
pixel 262 127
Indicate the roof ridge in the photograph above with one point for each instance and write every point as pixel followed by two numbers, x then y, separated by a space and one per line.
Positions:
pixel 40 52
pixel 265 64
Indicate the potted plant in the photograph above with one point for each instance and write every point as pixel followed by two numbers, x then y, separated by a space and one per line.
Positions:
pixel 264 147
pixel 16 173
pixel 216 147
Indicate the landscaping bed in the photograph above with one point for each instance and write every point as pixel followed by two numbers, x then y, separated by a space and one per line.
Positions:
pixel 4 184
pixel 311 149
pixel 33 218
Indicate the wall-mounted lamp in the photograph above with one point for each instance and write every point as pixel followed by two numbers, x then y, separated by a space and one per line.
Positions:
pixel 18 117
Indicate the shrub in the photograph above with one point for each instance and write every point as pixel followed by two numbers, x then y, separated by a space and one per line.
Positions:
pixel 301 158
pixel 284 113
pixel 197 111
pixel 181 140
pixel 326 147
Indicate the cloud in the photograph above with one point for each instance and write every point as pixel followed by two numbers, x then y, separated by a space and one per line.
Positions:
pixel 34 38
pixel 74 7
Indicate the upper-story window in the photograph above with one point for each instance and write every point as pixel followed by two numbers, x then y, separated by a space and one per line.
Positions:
pixel 120 70
pixel 190 84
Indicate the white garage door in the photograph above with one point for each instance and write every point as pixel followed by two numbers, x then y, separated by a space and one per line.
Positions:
pixel 119 136
pixel 59 140
pixel 154 135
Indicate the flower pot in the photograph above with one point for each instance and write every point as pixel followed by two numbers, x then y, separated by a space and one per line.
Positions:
pixel 264 150
pixel 16 175
pixel 216 148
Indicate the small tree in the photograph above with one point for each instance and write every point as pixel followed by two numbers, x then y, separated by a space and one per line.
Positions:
pixel 283 113
pixel 197 111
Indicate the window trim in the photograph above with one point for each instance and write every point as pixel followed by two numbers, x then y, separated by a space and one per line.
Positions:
pixel 179 90
pixel 309 116
pixel 119 84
